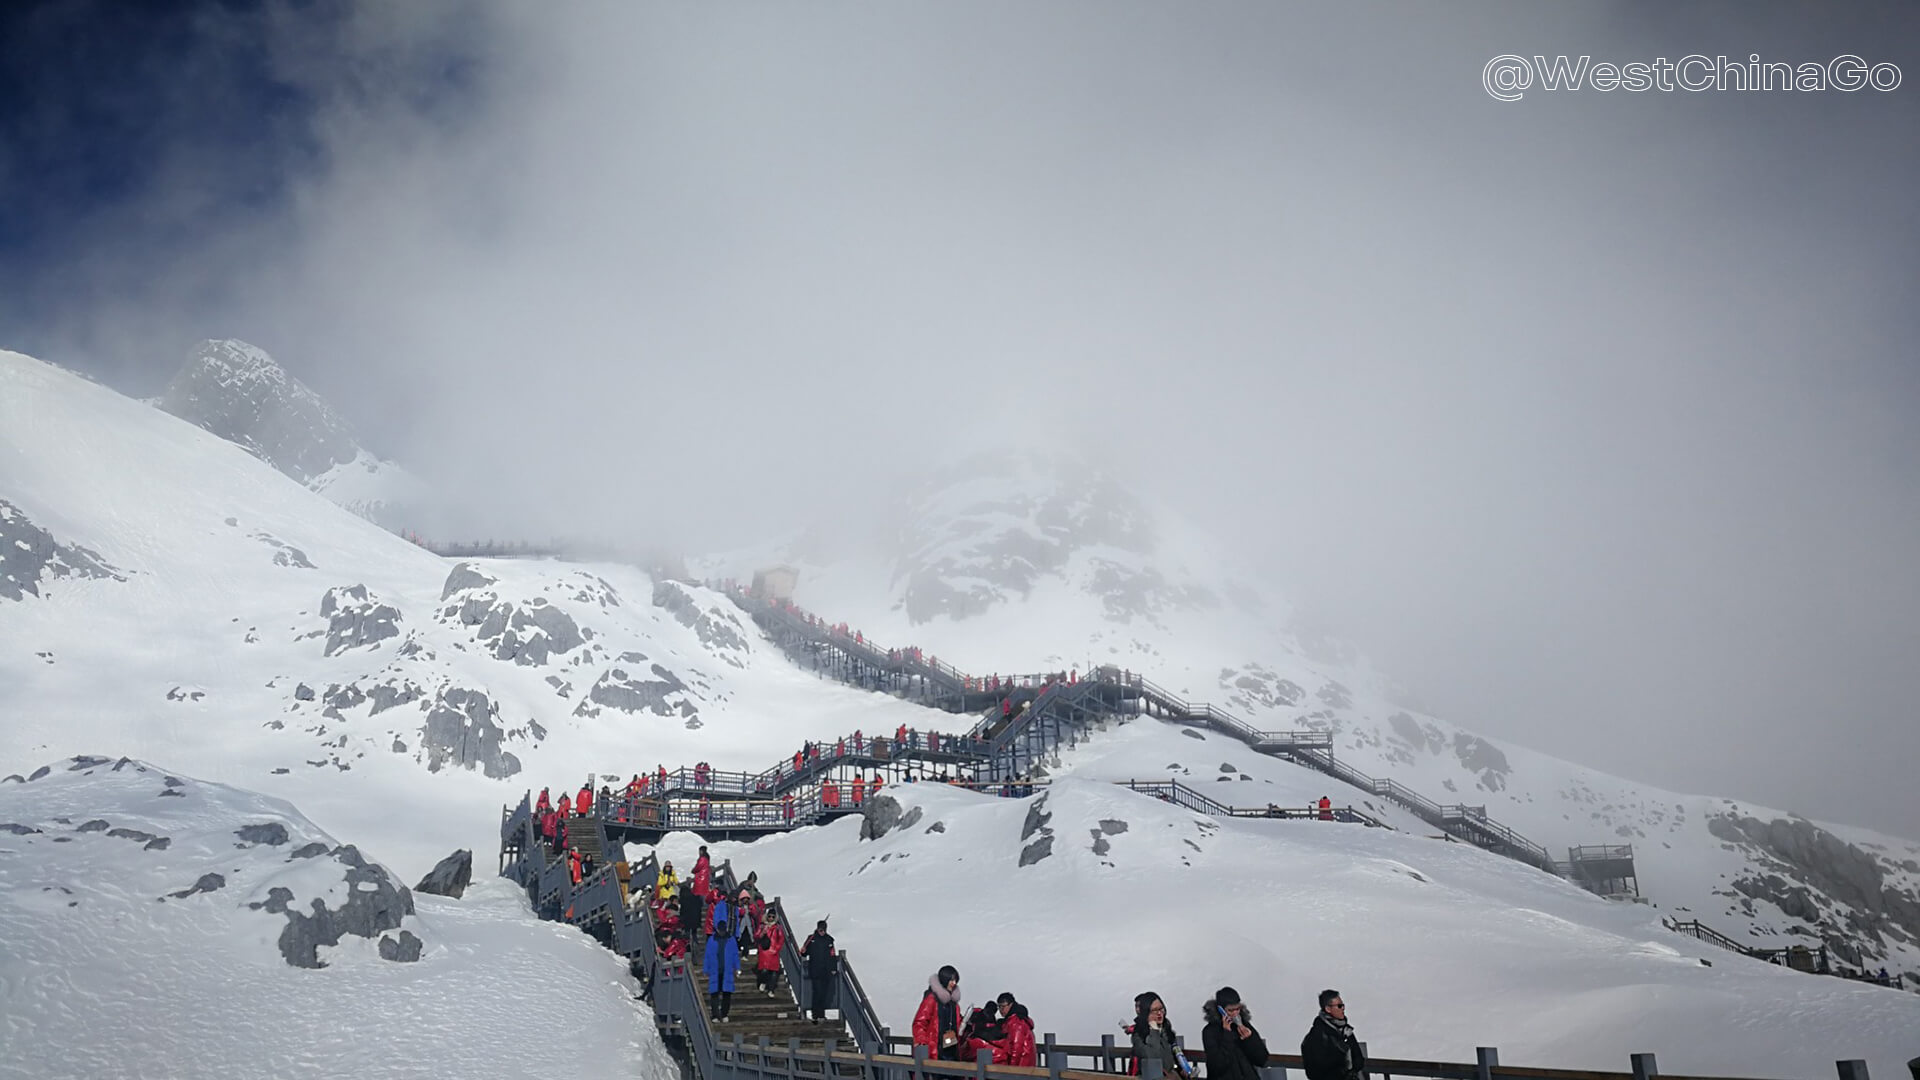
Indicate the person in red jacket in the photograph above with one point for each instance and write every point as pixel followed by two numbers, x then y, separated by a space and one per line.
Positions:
pixel 1326 808
pixel 545 804
pixel 772 940
pixel 566 804
pixel 583 802
pixel 573 865
pixel 859 789
pixel 1019 1041
pixel 703 874
pixel 936 1025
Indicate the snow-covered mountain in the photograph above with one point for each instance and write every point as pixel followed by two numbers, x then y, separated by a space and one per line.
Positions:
pixel 169 595
pixel 1082 897
pixel 157 925
pixel 1018 563
pixel 236 391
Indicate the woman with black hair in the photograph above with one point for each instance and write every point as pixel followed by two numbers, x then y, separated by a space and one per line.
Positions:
pixel 1153 1038
pixel 936 1024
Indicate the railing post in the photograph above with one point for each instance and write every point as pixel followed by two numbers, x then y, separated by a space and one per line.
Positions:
pixel 1852 1070
pixel 1644 1068
pixel 793 1058
pixel 981 1059
pixel 919 1062
pixel 1485 1058
pixel 1046 1046
pixel 1056 1063
pixel 1106 1053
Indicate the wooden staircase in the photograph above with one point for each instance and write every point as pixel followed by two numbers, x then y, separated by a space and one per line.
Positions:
pixel 777 1016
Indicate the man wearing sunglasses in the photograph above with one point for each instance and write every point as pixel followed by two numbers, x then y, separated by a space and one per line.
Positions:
pixel 1331 1051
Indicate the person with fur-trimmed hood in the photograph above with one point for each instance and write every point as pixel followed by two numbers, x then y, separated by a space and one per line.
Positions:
pixel 1330 1051
pixel 1235 1051
pixel 936 1025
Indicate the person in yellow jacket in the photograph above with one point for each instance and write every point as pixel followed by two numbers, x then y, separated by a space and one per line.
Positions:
pixel 668 883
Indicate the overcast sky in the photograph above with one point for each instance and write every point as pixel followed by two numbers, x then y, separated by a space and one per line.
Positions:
pixel 1593 417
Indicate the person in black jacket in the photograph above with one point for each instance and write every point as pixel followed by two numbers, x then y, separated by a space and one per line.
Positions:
pixel 1330 1051
pixel 1235 1051
pixel 823 964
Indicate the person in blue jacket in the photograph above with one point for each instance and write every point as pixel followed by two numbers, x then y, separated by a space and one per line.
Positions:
pixel 722 961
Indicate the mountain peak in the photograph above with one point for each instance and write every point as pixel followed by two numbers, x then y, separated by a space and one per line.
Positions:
pixel 236 391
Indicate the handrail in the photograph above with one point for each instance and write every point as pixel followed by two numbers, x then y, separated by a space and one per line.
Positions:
pixel 676 996
pixel 1314 750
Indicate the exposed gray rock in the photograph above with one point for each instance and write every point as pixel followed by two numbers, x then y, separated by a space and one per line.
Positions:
pixel 39 772
pixel 96 825
pixel 1100 844
pixel 374 905
pixel 880 814
pixel 462 730
pixel 1227 767
pixel 17 829
pixel 1036 851
pixel 937 827
pixel 450 876
pixel 617 689
pixel 272 833
pixel 1037 818
pixel 911 818
pixel 308 851
pixel 237 392
pixel 303 692
pixel 1260 687
pixel 405 949
pixel 1191 734
pixel 386 695
pixel 717 629
pixel 1409 729
pixel 355 619
pixel 1112 826
pixel 133 834
pixel 1480 756
pixel 1810 865
pixel 159 843
pixel 278 898
pixel 465 576
pixel 527 634
pixel 83 762
pixel 207 883
pixel 1336 696
pixel 29 555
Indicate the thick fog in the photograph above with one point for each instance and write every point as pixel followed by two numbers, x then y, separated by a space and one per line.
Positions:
pixel 1592 417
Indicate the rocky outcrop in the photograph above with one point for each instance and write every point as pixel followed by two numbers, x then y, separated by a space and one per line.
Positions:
pixel 717 629
pixel 355 619
pixel 629 693
pixel 450 876
pixel 1815 876
pixel 463 731
pixel 374 904
pixel 237 392
pixel 879 816
pixel 1477 755
pixel 463 577
pixel 29 557
pixel 528 634
pixel 1040 846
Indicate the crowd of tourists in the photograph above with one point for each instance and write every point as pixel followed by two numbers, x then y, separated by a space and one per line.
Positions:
pixel 1235 1050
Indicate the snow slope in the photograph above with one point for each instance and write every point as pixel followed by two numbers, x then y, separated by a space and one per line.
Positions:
pixel 1009 563
pixel 1437 947
pixel 115 966
pixel 180 599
